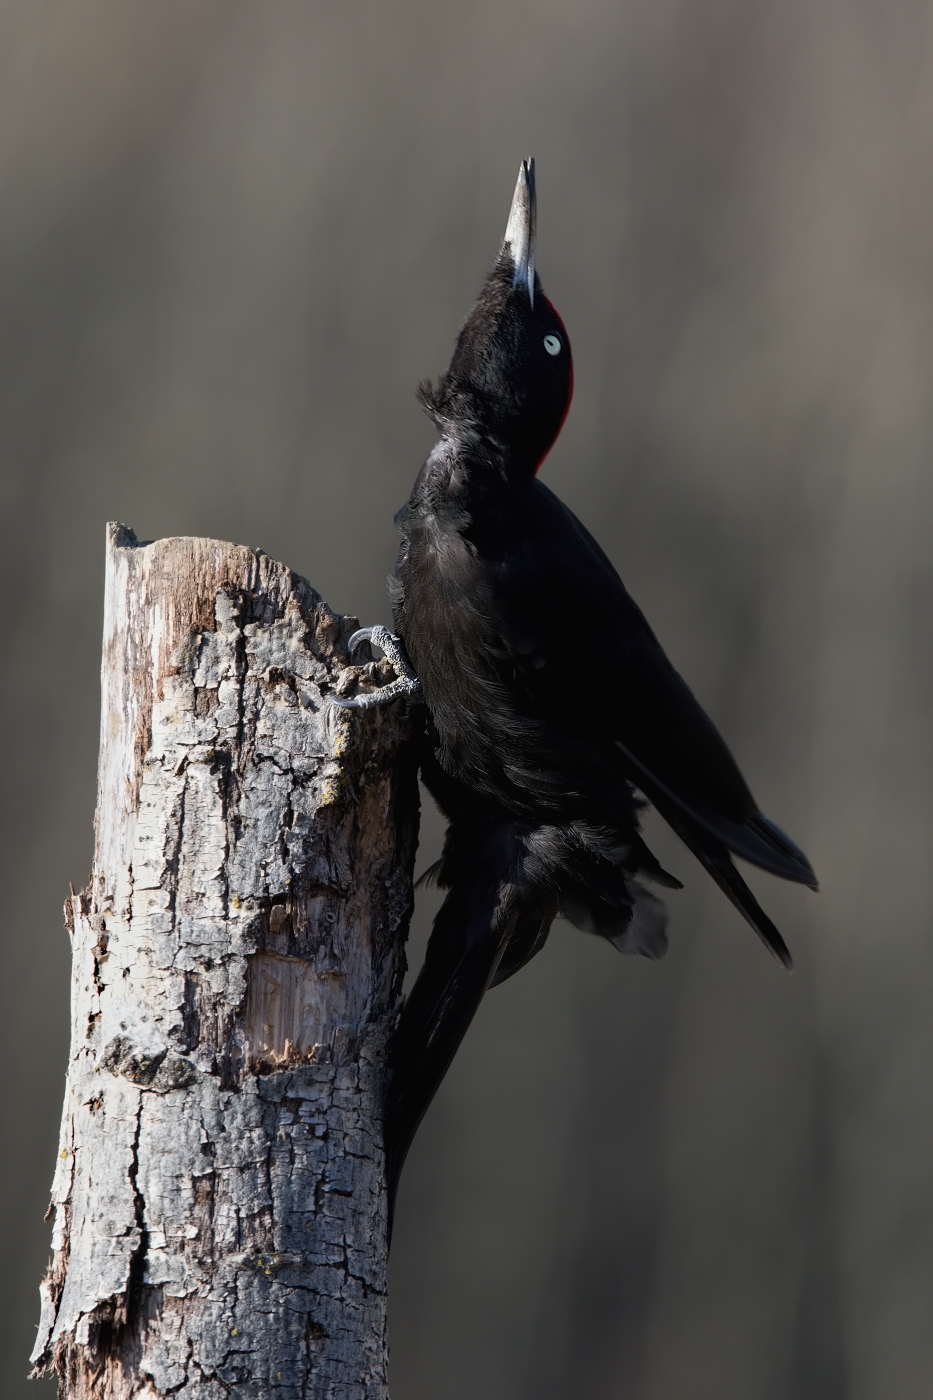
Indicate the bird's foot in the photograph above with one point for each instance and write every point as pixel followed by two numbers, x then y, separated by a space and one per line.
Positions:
pixel 405 683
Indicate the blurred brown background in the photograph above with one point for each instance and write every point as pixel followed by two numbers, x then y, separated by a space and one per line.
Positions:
pixel 233 236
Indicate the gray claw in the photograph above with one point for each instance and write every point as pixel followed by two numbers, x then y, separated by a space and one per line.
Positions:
pixel 366 634
pixel 406 682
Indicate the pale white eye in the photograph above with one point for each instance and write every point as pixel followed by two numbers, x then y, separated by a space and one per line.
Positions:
pixel 552 344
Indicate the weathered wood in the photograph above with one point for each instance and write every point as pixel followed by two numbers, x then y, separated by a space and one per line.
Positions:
pixel 219 1198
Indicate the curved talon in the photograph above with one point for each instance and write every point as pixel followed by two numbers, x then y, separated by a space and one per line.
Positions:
pixel 406 682
pixel 370 634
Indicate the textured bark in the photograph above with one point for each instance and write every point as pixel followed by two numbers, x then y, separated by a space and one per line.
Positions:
pixel 219 1196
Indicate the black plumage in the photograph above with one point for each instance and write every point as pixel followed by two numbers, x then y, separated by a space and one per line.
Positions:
pixel 498 592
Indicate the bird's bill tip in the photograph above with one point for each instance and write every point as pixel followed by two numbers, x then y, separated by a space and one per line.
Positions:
pixel 520 229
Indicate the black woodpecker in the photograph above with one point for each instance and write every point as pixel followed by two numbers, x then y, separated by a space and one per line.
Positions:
pixel 497 584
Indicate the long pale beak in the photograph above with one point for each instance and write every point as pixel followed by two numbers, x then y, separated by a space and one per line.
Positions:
pixel 520 230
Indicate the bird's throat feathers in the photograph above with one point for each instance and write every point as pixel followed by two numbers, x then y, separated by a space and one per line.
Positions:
pixel 507 391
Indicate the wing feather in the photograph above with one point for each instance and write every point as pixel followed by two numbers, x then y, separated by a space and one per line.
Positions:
pixel 559 605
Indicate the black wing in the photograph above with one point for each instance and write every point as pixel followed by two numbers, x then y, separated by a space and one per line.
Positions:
pixel 558 604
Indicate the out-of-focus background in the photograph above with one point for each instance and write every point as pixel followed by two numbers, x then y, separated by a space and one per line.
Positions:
pixel 233 237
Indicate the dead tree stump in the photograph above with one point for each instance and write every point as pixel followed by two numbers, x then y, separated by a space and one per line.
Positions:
pixel 219 1196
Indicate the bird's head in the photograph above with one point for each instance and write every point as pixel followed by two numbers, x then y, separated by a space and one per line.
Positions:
pixel 511 375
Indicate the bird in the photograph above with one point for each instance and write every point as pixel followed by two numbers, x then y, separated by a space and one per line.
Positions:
pixel 497 590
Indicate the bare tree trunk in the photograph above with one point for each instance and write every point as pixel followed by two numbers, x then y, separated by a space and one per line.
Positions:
pixel 219 1198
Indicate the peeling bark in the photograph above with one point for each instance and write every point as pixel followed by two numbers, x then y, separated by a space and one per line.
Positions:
pixel 219 1197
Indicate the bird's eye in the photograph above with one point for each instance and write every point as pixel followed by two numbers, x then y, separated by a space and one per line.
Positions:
pixel 552 344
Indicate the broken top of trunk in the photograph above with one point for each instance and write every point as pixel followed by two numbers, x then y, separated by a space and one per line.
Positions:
pixel 219 1198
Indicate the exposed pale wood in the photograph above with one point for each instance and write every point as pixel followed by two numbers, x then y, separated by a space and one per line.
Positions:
pixel 219 1197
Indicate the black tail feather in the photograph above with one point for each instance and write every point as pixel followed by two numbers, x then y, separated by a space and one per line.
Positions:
pixel 528 937
pixel 470 933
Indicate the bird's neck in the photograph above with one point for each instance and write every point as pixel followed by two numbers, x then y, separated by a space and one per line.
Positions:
pixel 467 469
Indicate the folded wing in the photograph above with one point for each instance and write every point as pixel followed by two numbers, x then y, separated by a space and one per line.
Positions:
pixel 574 609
